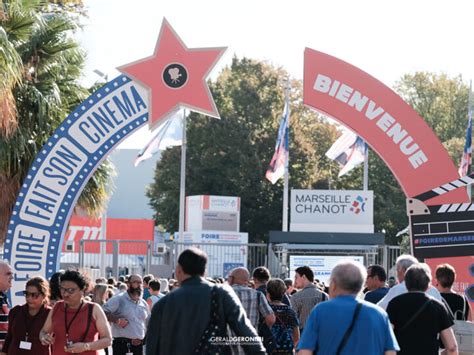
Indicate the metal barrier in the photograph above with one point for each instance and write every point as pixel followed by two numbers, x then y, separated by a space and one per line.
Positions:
pixel 107 257
pixel 387 256
pixel 224 257
pixel 112 257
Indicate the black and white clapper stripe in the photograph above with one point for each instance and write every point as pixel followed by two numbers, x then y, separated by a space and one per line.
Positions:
pixel 441 190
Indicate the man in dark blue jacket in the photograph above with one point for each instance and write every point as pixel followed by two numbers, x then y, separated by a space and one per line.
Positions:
pixel 181 322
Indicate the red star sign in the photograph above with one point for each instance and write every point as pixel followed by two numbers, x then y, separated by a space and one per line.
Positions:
pixel 175 76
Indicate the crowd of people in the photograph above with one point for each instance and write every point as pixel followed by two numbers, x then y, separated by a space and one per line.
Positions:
pixel 359 312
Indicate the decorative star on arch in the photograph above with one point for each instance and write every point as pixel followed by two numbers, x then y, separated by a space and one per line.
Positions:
pixel 175 76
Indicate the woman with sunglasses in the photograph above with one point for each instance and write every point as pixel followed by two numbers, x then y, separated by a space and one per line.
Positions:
pixel 25 321
pixel 75 325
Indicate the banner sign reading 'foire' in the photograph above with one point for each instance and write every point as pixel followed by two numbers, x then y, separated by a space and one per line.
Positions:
pixel 332 211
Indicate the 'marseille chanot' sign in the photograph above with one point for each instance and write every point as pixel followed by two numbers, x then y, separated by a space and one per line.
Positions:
pixel 341 211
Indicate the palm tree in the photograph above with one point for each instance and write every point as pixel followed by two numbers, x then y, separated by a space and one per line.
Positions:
pixel 40 64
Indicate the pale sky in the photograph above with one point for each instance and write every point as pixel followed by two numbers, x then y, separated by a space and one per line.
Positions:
pixel 384 38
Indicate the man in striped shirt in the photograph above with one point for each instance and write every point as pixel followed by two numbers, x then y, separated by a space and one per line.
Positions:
pixel 6 277
pixel 309 295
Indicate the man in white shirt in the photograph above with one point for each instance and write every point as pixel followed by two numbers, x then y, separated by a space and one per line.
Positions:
pixel 402 264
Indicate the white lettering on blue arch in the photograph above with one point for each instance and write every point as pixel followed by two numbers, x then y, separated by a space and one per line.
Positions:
pixel 110 114
pixel 59 173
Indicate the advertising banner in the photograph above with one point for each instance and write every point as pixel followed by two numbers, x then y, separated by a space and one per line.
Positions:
pixel 84 228
pixel 332 211
pixel 217 213
pixel 225 250
pixel 321 265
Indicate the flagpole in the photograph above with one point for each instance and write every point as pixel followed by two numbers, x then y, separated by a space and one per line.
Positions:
pixel 286 174
pixel 469 103
pixel 182 182
pixel 366 167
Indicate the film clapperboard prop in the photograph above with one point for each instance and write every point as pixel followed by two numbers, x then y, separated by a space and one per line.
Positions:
pixel 443 230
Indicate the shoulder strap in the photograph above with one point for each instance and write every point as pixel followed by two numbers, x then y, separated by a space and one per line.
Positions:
pixel 346 336
pixel 415 315
pixel 446 304
pixel 89 319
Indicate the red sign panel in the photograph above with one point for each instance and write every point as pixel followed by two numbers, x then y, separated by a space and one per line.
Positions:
pixel 462 265
pixel 83 228
pixel 387 123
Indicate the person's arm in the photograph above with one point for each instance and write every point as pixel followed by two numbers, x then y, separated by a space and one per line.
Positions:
pixel 390 352
pixel 235 317
pixel 110 309
pixel 149 302
pixel 103 328
pixel 8 338
pixel 296 335
pixel 449 341
pixel 305 352
pixel 46 333
pixel 295 305
pixel 265 310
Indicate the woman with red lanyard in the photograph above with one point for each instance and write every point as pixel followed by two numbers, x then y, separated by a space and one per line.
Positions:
pixel 25 321
pixel 75 325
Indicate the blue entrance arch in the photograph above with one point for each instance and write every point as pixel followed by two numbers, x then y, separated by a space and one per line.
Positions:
pixel 60 172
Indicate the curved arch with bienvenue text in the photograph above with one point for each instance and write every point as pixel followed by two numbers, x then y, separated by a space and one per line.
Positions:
pixel 60 172
pixel 387 123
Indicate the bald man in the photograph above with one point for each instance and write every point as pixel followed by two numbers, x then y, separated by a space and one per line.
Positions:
pixel 254 302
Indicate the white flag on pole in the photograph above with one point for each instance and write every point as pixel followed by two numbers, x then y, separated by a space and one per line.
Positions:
pixel 348 150
pixel 168 134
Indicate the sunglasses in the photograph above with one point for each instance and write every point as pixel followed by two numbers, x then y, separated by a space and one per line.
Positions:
pixel 68 290
pixel 33 295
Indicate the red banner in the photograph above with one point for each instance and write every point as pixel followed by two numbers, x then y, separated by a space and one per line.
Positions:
pixel 462 265
pixel 83 228
pixel 387 123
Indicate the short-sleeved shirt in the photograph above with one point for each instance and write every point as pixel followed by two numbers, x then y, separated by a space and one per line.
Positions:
pixel 329 321
pixel 136 312
pixel 282 329
pixel 376 295
pixel 458 304
pixel 421 335
pixel 254 303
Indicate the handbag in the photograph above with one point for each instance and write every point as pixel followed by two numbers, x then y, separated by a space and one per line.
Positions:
pixel 268 340
pixel 205 345
pixel 463 330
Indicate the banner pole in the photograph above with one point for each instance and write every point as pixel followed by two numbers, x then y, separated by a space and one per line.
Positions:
pixel 182 183
pixel 469 103
pixel 366 167
pixel 286 175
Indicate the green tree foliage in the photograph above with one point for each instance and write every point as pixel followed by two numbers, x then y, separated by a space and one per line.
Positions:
pixel 39 68
pixel 230 156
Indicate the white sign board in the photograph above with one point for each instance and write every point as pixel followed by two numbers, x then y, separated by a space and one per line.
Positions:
pixel 221 258
pixel 342 211
pixel 321 265
pixel 217 213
